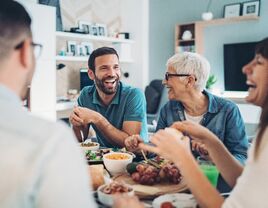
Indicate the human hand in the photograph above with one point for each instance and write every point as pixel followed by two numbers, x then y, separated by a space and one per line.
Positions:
pixel 168 144
pixel 123 201
pixel 200 148
pixel 86 115
pixel 132 143
pixel 74 119
pixel 196 131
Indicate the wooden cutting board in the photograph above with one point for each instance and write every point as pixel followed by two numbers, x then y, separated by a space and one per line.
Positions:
pixel 151 191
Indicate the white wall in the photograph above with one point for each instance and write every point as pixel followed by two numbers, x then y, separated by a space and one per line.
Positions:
pixel 43 87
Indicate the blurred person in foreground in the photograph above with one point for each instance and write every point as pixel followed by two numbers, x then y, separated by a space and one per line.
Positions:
pixel 41 164
pixel 115 110
pixel 250 182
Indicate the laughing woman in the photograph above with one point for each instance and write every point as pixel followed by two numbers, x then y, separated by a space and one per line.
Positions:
pixel 250 182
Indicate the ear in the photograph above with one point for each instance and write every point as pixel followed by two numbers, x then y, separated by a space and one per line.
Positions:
pixel 26 54
pixel 190 81
pixel 91 74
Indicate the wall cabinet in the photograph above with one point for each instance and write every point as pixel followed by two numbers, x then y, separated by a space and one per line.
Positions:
pixel 189 37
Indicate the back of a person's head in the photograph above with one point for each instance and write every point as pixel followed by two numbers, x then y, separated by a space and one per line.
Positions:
pixel 191 63
pixel 99 52
pixel 15 26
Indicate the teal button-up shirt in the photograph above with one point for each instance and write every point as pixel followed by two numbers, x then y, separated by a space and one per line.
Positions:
pixel 128 104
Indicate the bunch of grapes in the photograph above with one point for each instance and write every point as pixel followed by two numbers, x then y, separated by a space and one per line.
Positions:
pixel 171 173
pixel 146 174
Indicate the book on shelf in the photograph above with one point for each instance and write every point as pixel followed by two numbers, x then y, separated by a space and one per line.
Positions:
pixel 189 48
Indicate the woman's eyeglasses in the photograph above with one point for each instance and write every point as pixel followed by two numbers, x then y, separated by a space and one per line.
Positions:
pixel 167 75
pixel 37 48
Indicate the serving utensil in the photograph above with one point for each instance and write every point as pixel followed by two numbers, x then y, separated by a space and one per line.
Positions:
pixel 150 161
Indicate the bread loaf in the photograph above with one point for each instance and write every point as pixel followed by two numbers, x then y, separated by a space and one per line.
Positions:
pixel 97 175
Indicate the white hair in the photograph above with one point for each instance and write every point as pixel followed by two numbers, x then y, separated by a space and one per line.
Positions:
pixel 191 63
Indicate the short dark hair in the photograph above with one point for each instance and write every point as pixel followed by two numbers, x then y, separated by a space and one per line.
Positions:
pixel 14 23
pixel 99 52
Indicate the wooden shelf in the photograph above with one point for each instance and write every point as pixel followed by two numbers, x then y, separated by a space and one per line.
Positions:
pixel 84 59
pixel 231 20
pixel 191 40
pixel 92 37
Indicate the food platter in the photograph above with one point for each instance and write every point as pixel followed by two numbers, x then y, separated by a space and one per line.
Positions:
pixel 151 191
pixel 96 156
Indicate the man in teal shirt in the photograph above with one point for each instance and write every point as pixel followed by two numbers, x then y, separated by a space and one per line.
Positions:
pixel 115 110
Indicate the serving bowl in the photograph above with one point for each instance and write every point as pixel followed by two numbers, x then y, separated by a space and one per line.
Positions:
pixel 107 198
pixel 89 146
pixel 116 162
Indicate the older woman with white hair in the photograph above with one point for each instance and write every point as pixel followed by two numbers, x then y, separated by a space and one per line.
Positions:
pixel 186 77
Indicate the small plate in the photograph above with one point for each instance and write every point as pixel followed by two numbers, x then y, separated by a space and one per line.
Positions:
pixel 178 200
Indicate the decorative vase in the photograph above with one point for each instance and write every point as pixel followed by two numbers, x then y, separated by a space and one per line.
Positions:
pixel 207 16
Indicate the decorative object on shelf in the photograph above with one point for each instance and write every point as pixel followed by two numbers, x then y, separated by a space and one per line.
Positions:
pixel 88 47
pixel 251 8
pixel 81 51
pixel 123 35
pixel 232 10
pixel 84 26
pixel 55 3
pixel 187 35
pixel 94 30
pixel 211 81
pixel 102 29
pixel 60 66
pixel 207 15
pixel 72 47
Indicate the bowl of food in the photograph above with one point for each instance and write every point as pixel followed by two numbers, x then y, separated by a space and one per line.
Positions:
pixel 106 192
pixel 116 162
pixel 89 146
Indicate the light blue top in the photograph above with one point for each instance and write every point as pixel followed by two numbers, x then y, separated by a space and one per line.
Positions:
pixel 128 104
pixel 41 164
pixel 223 118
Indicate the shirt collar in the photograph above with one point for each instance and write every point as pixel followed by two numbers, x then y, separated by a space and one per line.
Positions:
pixel 116 99
pixel 10 96
pixel 212 103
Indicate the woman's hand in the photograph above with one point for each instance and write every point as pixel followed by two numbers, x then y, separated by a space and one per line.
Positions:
pixel 168 144
pixel 196 132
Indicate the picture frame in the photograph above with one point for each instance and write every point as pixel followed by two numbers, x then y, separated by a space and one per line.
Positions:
pixel 88 48
pixel 102 29
pixel 94 30
pixel 251 8
pixel 72 47
pixel 232 10
pixel 84 26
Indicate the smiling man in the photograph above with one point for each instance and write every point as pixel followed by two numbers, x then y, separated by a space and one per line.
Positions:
pixel 115 110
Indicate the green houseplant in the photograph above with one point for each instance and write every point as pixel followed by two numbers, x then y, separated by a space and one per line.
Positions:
pixel 211 81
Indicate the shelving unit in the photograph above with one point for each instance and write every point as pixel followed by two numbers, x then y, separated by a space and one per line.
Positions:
pixel 196 28
pixel 83 59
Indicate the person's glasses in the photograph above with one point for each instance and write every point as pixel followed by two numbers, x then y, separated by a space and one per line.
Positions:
pixel 167 75
pixel 37 48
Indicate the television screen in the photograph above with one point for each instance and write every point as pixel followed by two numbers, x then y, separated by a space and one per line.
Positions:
pixel 84 79
pixel 237 55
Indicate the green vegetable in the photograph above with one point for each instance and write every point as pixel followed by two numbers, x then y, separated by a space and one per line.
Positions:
pixel 131 167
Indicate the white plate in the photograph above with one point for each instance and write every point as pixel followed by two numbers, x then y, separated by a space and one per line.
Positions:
pixel 178 200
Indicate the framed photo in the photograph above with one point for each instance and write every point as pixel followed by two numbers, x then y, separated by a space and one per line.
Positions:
pixel 71 46
pixel 94 30
pixel 251 8
pixel 102 29
pixel 84 26
pixel 88 48
pixel 232 10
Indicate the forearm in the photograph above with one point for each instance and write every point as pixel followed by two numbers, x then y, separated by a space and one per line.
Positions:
pixel 227 164
pixel 198 183
pixel 115 135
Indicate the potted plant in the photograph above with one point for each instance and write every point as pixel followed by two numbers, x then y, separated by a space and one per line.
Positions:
pixel 211 81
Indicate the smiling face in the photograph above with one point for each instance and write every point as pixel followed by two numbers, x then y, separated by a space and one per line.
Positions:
pixel 176 85
pixel 257 80
pixel 107 73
